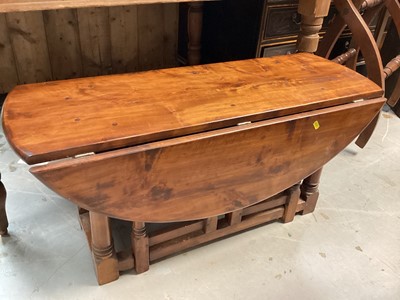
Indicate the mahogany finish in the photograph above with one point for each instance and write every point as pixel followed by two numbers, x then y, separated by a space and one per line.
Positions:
pixel 228 145
pixel 109 112
pixel 211 173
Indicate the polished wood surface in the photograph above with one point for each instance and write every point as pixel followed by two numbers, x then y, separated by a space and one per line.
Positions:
pixel 31 5
pixel 102 113
pixel 176 145
pixel 211 173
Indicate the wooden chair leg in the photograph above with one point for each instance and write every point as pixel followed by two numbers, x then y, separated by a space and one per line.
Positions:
pixel 195 25
pixel 3 214
pixel 103 253
pixel 140 246
pixel 291 203
pixel 310 192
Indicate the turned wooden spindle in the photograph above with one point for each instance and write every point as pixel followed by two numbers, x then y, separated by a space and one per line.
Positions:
pixel 3 214
pixel 103 253
pixel 140 246
pixel 195 24
pixel 313 13
pixel 392 66
pixel 310 192
pixel 370 3
pixel 291 203
pixel 341 59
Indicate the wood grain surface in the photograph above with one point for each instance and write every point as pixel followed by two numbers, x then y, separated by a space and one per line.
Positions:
pixel 101 113
pixel 30 5
pixel 211 173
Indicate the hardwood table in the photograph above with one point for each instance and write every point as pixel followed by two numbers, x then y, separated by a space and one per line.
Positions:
pixel 207 143
pixel 218 148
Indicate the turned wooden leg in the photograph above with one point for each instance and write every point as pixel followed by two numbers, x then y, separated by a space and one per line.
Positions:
pixel 3 215
pixel 291 203
pixel 309 191
pixel 140 246
pixel 313 13
pixel 103 253
pixel 195 26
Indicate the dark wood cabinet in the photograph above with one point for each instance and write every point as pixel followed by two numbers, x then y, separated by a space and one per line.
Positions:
pixel 241 29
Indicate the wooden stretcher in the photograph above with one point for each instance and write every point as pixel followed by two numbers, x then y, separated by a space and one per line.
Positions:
pixel 220 147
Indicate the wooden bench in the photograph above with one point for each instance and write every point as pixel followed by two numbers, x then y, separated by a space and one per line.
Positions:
pixel 221 147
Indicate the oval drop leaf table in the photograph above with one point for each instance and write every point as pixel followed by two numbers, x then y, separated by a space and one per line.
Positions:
pixel 221 147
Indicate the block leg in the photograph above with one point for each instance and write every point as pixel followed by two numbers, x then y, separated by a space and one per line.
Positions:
pixel 310 192
pixel 291 203
pixel 140 246
pixel 103 253
pixel 3 215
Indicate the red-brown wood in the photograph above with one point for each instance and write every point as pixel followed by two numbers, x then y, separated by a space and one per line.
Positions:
pixel 210 173
pixel 291 203
pixel 310 192
pixel 213 175
pixel 109 112
pixel 140 246
pixel 103 253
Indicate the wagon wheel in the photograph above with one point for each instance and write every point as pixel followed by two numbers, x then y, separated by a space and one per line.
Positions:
pixel 363 40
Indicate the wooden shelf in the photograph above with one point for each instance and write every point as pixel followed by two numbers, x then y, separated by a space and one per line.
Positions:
pixel 7 6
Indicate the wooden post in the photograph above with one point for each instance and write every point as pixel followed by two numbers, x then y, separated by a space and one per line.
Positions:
pixel 291 203
pixel 3 215
pixel 234 217
pixel 313 13
pixel 140 246
pixel 310 192
pixel 195 26
pixel 210 224
pixel 103 253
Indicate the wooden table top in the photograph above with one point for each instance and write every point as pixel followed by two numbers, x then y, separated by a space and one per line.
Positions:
pixel 53 120
pixel 31 5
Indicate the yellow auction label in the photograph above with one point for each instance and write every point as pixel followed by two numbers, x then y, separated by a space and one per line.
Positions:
pixel 316 125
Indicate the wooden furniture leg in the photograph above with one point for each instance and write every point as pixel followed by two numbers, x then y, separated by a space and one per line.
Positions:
pixel 291 203
pixel 310 192
pixel 140 246
pixel 103 253
pixel 195 25
pixel 312 15
pixel 210 224
pixel 3 215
